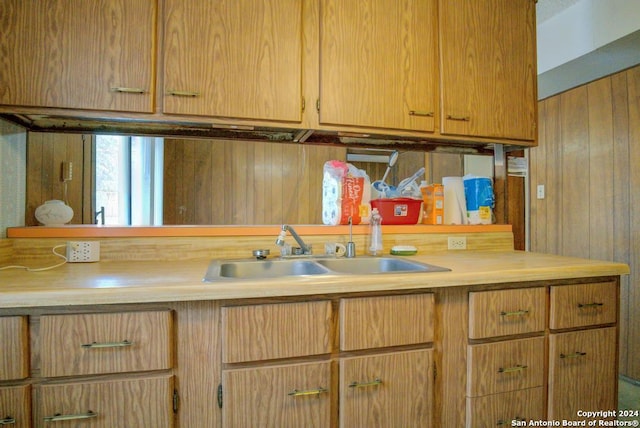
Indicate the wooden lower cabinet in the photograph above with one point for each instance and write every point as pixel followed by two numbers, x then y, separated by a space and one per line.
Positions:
pixel 582 372
pixel 140 402
pixel 387 390
pixel 500 410
pixel 291 395
pixel 15 406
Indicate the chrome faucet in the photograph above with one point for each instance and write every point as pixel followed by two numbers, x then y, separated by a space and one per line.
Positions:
pixel 306 249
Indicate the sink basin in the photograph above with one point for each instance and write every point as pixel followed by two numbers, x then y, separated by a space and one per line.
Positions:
pixel 276 268
pixel 219 269
pixel 367 265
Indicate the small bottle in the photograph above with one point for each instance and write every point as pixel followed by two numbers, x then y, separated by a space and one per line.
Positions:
pixel 375 233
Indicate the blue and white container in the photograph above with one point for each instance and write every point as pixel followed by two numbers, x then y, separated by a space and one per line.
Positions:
pixel 478 192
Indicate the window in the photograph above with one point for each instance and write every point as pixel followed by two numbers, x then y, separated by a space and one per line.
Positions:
pixel 128 180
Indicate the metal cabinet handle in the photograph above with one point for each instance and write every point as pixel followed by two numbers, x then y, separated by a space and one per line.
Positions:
pixel 577 354
pixel 590 305
pixel 7 421
pixel 502 422
pixel 377 381
pixel 300 393
pixel 58 417
pixel 519 313
pixel 126 90
pixel 458 118
pixel 184 93
pixel 516 368
pixel 423 113
pixel 94 345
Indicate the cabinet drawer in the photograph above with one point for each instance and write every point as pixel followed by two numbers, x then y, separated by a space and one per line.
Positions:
pixel 583 304
pixel 506 312
pixel 105 343
pixel 500 410
pixel 144 402
pixel 280 330
pixel 583 372
pixel 14 358
pixel 292 395
pixel 15 406
pixel 399 385
pixel 505 366
pixel 376 322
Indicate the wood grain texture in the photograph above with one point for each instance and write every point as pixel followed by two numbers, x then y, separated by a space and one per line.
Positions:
pixel 14 359
pixel 139 402
pixel 500 409
pixel 6 251
pixel 244 59
pixel 258 396
pixel 570 306
pixel 403 399
pixel 398 40
pixel 498 313
pixel 591 200
pixel 62 337
pixel 488 71
pixel 55 58
pixel 490 366
pixel 15 402
pixel 572 384
pixel 280 330
pixel 377 322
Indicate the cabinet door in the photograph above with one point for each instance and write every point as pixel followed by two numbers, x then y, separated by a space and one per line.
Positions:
pixel 378 64
pixel 388 390
pixel 81 54
pixel 14 358
pixel 236 59
pixel 582 372
pixel 488 68
pixel 15 406
pixel 146 402
pixel 500 410
pixel 294 395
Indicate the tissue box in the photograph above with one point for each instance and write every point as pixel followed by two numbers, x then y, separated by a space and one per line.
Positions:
pixel 398 210
pixel 433 198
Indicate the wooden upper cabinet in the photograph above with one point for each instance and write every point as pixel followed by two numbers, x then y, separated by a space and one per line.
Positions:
pixel 378 64
pixel 78 54
pixel 488 69
pixel 235 59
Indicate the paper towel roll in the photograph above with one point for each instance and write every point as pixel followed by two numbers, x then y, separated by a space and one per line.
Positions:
pixel 455 207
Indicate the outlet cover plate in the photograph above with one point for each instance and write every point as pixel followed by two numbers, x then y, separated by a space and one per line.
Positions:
pixel 457 243
pixel 83 251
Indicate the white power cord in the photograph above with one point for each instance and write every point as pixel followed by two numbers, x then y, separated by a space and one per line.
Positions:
pixel 28 269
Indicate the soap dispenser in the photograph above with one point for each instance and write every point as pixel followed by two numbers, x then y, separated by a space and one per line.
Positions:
pixel 375 233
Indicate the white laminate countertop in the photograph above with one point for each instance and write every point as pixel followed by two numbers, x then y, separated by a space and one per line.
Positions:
pixel 113 282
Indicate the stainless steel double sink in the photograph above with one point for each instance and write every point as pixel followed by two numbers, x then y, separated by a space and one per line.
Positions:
pixel 279 267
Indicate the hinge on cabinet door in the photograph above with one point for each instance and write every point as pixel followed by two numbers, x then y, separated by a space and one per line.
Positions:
pixel 318 105
pixel 304 104
pixel 220 396
pixel 435 371
pixel 176 400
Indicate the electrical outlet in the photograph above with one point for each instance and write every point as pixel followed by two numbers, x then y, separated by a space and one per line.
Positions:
pixel 83 251
pixel 457 243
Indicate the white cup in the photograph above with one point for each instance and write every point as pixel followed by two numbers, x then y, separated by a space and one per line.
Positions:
pixel 334 249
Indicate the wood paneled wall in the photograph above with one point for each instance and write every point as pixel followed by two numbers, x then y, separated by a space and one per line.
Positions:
pixel 588 158
pixel 244 182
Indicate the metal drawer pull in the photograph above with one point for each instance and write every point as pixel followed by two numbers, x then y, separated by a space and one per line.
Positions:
pixel 128 90
pixel 298 393
pixel 184 93
pixel 513 369
pixel 377 381
pixel 590 305
pixel 574 355
pixel 7 421
pixel 421 113
pixel 460 118
pixel 58 417
pixel 502 422
pixel 107 344
pixel 519 313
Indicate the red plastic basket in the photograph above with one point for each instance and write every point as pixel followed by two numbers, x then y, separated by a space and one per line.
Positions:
pixel 398 210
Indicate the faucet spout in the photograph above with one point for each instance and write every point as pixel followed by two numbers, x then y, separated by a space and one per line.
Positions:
pixel 306 249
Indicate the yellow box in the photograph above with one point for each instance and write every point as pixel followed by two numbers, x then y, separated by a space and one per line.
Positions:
pixel 433 206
